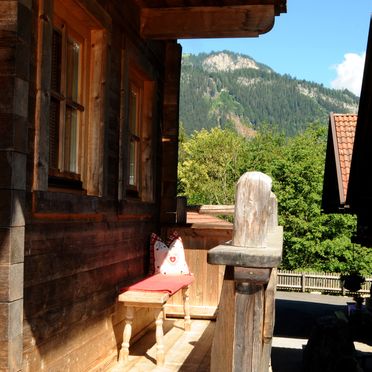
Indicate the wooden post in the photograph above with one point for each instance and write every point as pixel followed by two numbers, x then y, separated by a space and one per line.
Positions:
pixel 186 307
pixel 129 315
pixel 181 214
pixel 159 316
pixel 244 328
pixel 252 210
pixel 303 283
pixel 17 62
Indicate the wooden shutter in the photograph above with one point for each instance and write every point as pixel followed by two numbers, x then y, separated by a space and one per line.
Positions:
pixel 54 111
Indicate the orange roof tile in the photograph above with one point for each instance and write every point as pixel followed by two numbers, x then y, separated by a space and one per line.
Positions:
pixel 344 132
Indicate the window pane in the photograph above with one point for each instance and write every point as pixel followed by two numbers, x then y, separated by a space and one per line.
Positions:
pixel 73 64
pixel 132 164
pixel 56 61
pixel 71 140
pixel 133 102
pixel 53 133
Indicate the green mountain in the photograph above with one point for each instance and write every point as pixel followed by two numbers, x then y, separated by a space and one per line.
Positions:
pixel 233 90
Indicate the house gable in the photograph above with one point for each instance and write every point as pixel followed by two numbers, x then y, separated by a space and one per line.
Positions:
pixel 360 184
pixel 338 160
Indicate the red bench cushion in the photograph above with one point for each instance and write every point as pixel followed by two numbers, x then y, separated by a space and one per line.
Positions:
pixel 162 283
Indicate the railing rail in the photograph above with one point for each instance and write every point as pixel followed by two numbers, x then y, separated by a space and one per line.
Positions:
pixel 316 281
pixel 245 320
pixel 213 210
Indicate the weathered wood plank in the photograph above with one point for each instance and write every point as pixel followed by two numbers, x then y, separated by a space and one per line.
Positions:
pixel 252 210
pixel 221 361
pixel 204 22
pixel 142 298
pixel 205 291
pixel 252 274
pixel 216 209
pixel 266 257
pixel 11 282
pixel 269 320
pixel 42 86
pixel 58 293
pixel 77 259
pixel 44 327
pixel 84 334
pixel 12 245
pixel 249 305
pixel 184 351
pixel 254 251
pixel 11 353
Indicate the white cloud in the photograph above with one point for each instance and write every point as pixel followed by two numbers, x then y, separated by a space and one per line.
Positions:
pixel 350 73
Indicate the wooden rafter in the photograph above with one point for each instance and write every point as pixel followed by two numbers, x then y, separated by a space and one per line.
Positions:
pixel 280 5
pixel 206 22
pixel 178 19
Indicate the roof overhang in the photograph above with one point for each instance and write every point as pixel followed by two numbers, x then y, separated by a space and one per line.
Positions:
pixel 340 143
pixel 359 195
pixel 185 19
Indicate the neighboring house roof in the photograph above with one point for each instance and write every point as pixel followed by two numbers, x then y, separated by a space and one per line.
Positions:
pixel 360 184
pixel 338 160
pixel 344 126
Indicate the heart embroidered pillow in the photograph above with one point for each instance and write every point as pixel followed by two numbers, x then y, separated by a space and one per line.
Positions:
pixel 168 258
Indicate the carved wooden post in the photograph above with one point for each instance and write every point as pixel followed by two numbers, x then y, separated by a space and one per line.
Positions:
pixel 245 321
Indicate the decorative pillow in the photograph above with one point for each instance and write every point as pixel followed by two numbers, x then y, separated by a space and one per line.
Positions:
pixel 168 258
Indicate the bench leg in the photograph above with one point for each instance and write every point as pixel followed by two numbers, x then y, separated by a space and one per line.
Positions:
pixel 186 307
pixel 159 316
pixel 129 314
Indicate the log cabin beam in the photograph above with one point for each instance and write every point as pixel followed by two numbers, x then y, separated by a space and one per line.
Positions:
pixel 15 59
pixel 280 5
pixel 206 22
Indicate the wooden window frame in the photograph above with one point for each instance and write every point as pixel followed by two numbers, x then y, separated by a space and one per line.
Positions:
pixel 90 18
pixel 134 137
pixel 65 172
pixel 137 133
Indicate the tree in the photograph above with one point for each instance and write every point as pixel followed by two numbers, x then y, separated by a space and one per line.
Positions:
pixel 212 161
pixel 210 164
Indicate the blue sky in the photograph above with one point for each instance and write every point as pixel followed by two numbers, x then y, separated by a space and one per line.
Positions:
pixel 317 40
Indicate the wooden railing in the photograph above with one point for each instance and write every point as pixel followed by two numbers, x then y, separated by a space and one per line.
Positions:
pixel 245 320
pixel 322 282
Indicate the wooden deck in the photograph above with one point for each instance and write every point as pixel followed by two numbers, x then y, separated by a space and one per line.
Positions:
pixel 184 351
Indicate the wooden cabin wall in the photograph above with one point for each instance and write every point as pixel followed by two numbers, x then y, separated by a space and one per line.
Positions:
pixel 15 31
pixel 80 249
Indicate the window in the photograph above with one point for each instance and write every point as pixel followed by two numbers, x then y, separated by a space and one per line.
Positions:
pixel 76 111
pixel 136 169
pixel 135 99
pixel 67 104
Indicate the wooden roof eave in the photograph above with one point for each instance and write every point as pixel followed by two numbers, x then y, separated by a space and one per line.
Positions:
pixel 208 21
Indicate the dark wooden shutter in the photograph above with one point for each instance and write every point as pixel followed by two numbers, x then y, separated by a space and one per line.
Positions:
pixel 54 110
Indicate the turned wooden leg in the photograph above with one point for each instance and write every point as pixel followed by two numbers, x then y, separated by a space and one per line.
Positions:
pixel 159 316
pixel 129 314
pixel 186 307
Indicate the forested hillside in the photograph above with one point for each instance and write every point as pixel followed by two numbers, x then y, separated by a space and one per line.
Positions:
pixel 234 91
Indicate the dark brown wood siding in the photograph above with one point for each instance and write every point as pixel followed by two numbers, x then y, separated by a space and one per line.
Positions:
pixel 15 76
pixel 81 249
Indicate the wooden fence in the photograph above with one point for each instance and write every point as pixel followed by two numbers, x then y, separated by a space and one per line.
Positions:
pixel 321 282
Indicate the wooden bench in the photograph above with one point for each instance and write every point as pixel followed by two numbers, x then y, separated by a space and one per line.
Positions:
pixel 154 292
